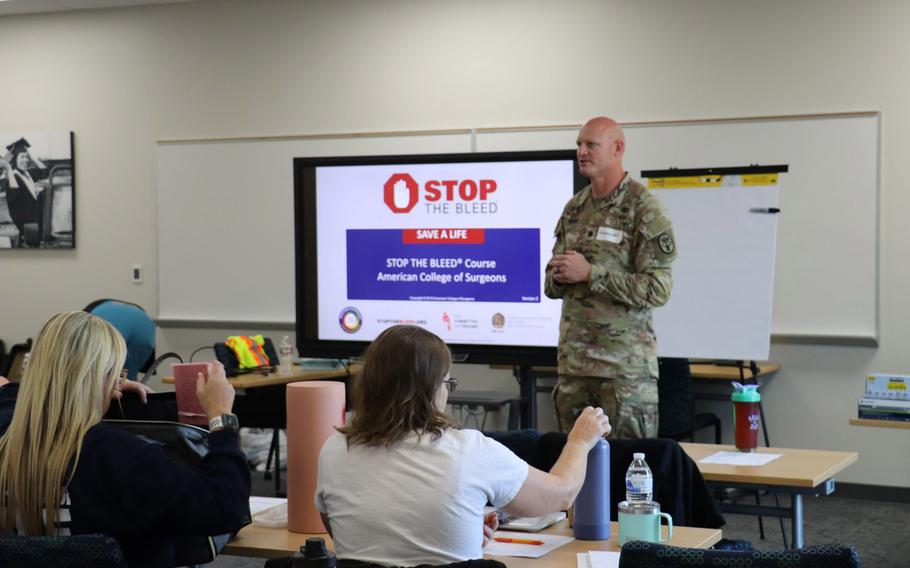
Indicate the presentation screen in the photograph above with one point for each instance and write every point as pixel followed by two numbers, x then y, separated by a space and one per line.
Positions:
pixel 454 243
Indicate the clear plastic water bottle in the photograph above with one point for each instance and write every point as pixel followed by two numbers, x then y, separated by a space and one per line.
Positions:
pixel 639 482
pixel 286 356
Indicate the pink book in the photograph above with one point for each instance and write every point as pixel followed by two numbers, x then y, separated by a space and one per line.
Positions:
pixel 189 410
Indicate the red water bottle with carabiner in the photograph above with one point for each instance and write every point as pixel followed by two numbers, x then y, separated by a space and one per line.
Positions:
pixel 746 417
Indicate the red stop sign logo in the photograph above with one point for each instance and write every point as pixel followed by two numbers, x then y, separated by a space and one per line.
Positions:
pixel 400 193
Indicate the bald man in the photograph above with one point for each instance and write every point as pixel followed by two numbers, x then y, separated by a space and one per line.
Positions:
pixel 611 267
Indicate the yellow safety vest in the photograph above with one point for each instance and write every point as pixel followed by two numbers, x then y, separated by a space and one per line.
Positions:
pixel 249 350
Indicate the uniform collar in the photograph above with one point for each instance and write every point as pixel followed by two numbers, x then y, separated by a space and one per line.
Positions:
pixel 615 197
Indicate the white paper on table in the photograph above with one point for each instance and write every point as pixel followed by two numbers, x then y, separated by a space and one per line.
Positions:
pixel 740 458
pixel 598 559
pixel 550 542
pixel 262 503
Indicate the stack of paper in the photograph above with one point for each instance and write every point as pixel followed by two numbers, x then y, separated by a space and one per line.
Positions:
pixel 548 542
pixel 598 559
pixel 740 458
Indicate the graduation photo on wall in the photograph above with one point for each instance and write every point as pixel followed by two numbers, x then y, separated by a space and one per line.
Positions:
pixel 37 190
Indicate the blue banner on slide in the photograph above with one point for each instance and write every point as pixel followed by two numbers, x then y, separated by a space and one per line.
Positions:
pixel 489 265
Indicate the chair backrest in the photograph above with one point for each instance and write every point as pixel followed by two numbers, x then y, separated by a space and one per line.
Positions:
pixel 153 367
pixel 76 551
pixel 286 561
pixel 676 405
pixel 678 485
pixel 202 349
pixel 639 553
pixel 136 327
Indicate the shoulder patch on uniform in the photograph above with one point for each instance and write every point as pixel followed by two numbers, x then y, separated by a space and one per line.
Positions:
pixel 666 244
pixel 655 227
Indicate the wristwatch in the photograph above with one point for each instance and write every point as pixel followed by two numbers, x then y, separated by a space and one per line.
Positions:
pixel 226 422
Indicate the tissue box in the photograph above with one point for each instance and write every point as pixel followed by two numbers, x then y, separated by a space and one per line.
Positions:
pixel 888 387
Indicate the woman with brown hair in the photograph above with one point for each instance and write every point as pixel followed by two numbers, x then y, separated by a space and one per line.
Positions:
pixel 403 485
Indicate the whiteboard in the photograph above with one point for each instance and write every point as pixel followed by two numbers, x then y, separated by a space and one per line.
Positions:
pixel 826 268
pixel 226 222
pixel 226 212
pixel 721 263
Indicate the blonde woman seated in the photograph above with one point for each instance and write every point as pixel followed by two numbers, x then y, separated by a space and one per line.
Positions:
pixel 402 485
pixel 64 472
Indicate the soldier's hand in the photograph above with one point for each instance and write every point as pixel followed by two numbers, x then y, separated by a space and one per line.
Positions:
pixel 570 268
pixel 590 426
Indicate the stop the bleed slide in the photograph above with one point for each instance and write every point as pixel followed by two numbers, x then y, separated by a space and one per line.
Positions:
pixel 444 264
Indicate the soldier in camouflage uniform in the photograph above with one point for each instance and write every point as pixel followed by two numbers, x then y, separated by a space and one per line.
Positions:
pixel 611 266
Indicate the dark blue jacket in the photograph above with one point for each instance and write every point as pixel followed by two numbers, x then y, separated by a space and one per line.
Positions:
pixel 128 488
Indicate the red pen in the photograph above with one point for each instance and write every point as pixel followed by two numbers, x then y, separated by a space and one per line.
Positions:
pixel 517 540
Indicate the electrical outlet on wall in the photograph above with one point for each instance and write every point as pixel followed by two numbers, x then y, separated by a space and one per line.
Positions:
pixel 137 274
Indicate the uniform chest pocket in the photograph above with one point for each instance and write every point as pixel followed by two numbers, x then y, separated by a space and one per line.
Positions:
pixel 608 246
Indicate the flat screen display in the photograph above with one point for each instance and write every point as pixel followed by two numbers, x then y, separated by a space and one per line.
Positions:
pixel 454 243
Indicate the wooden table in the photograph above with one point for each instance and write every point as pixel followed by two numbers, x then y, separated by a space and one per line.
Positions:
pixel 486 401
pixel 261 542
pixel 255 380
pixel 528 375
pixel 715 372
pixel 796 473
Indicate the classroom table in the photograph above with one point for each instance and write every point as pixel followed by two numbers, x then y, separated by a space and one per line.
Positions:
pixel 464 403
pixel 256 380
pixel 725 373
pixel 528 375
pixel 262 542
pixel 796 473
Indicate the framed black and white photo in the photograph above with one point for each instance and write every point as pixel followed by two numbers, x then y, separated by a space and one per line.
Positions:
pixel 37 190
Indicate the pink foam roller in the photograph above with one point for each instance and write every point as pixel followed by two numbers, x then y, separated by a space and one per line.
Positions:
pixel 315 408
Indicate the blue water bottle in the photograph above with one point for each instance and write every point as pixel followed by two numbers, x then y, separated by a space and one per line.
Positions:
pixel 592 506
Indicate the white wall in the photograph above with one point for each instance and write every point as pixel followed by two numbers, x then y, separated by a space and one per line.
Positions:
pixel 122 79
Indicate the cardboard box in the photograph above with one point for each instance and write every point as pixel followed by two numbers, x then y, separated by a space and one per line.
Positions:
pixel 888 387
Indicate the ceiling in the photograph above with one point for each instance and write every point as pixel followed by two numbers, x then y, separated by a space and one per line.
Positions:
pixel 12 7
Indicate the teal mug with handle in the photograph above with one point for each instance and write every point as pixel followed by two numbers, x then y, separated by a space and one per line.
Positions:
pixel 641 521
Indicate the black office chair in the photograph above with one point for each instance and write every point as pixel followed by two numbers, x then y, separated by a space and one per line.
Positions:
pixel 678 484
pixel 676 406
pixel 152 367
pixel 639 553
pixel 76 551
pixel 202 349
pixel 285 562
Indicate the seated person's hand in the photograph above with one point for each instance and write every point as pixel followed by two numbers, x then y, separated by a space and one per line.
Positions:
pixel 3 381
pixel 490 524
pixel 590 426
pixel 126 385
pixel 216 395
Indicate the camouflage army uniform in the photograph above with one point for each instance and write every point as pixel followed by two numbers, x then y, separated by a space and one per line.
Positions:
pixel 607 348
